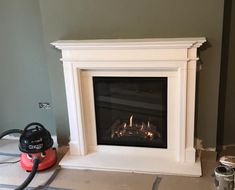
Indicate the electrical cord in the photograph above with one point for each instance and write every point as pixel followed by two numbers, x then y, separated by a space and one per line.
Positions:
pixel 13 162
pixel 36 162
pixel 49 180
pixel 9 154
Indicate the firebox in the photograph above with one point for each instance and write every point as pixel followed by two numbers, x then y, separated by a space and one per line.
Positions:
pixel 131 111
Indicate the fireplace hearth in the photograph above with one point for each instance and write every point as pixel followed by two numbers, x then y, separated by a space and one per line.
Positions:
pixel 131 104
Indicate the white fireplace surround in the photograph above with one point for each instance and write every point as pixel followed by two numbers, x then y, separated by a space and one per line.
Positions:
pixel 174 58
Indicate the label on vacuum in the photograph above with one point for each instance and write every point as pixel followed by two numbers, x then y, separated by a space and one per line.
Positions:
pixel 35 147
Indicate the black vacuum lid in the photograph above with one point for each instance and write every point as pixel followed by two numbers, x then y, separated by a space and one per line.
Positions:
pixel 35 138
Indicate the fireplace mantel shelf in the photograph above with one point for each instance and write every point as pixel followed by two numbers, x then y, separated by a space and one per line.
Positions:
pixel 174 58
pixel 130 43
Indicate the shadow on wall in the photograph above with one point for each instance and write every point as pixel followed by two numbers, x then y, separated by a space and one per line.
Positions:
pixel 200 65
pixel 224 73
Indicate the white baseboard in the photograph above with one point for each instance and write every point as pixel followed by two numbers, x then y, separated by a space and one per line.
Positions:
pixel 14 137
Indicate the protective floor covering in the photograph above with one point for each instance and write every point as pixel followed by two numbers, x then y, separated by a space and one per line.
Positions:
pixel 12 175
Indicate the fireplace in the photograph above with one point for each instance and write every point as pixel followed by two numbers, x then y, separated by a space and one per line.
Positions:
pixel 131 104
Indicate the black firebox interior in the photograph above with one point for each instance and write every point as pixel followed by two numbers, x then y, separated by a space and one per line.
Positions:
pixel 131 111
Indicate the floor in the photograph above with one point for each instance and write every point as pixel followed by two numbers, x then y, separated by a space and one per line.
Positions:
pixel 12 175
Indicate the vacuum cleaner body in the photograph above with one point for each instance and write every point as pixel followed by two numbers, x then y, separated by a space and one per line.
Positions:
pixel 46 161
pixel 37 151
pixel 36 142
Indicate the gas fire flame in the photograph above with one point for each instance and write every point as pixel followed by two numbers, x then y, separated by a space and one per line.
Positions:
pixel 147 131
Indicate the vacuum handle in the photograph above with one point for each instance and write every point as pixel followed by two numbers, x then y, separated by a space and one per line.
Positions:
pixel 34 124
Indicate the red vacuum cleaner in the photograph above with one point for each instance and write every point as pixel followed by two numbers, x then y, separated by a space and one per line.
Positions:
pixel 36 142
pixel 36 147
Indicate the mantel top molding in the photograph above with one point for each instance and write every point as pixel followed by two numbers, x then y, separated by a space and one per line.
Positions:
pixel 145 43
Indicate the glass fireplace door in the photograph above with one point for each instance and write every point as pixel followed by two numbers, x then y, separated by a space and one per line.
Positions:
pixel 131 111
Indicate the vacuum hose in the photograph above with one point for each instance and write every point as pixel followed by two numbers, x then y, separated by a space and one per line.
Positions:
pixel 36 162
pixel 10 131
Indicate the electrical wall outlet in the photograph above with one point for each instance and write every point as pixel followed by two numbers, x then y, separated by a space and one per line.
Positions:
pixel 44 105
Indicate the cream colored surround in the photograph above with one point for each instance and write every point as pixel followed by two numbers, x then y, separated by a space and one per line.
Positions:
pixel 172 58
